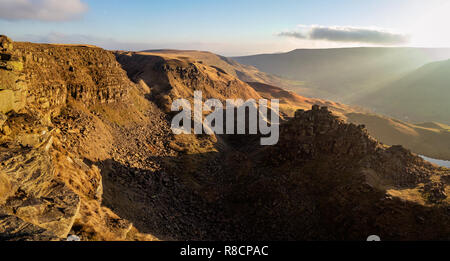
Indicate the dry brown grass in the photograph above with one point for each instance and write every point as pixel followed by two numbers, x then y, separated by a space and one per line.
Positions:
pixel 244 72
pixel 432 140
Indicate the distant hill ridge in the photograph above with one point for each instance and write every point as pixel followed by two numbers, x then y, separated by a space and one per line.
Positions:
pixel 431 141
pixel 344 74
pixel 421 95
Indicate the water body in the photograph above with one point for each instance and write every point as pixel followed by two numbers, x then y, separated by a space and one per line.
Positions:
pixel 443 163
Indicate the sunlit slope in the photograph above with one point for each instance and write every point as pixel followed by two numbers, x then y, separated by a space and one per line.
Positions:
pixel 423 95
pixel 429 139
pixel 245 73
pixel 343 74
pixel 290 101
pixel 169 77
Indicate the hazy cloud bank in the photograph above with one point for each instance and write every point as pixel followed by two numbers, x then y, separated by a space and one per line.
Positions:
pixel 347 34
pixel 42 10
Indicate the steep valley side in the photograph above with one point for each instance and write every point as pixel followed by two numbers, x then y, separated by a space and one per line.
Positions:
pixel 91 136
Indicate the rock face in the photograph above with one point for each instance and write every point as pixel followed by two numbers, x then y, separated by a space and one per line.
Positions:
pixel 34 195
pixel 349 183
pixel 5 43
pixel 172 78
pixel 45 190
pixel 55 73
pixel 12 88
pixel 35 204
pixel 318 132
pixel 434 192
pixel 43 77
pixel 15 229
pixel 3 119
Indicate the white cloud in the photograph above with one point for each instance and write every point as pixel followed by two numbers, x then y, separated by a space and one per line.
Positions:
pixel 347 34
pixel 42 10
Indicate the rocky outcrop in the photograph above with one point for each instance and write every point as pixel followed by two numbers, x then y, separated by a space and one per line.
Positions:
pixel 3 119
pixel 56 72
pixel 47 191
pixel 434 192
pixel 317 132
pixel 171 78
pixel 329 180
pixel 5 44
pixel 12 87
pixel 33 194
pixel 34 205
pixel 16 229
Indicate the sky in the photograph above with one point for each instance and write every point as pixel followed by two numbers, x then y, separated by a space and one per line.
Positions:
pixel 228 27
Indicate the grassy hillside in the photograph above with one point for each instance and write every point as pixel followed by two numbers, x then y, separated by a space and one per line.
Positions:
pixel 430 139
pixel 246 73
pixel 343 74
pixel 422 95
pixel 290 101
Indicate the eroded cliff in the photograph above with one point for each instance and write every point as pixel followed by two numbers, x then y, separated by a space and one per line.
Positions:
pixel 86 151
pixel 47 190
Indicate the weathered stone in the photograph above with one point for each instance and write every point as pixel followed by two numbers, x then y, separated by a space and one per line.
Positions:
pixel 51 74
pixel 6 130
pixel 5 56
pixel 6 189
pixel 14 66
pixel 41 195
pixel 7 79
pixel 299 113
pixel 324 108
pixel 35 196
pixel 11 100
pixel 12 88
pixel 434 192
pixel 13 228
pixel 3 119
pixel 7 98
pixel 5 43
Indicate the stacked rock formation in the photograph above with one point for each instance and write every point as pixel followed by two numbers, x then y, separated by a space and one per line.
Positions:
pixel 318 132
